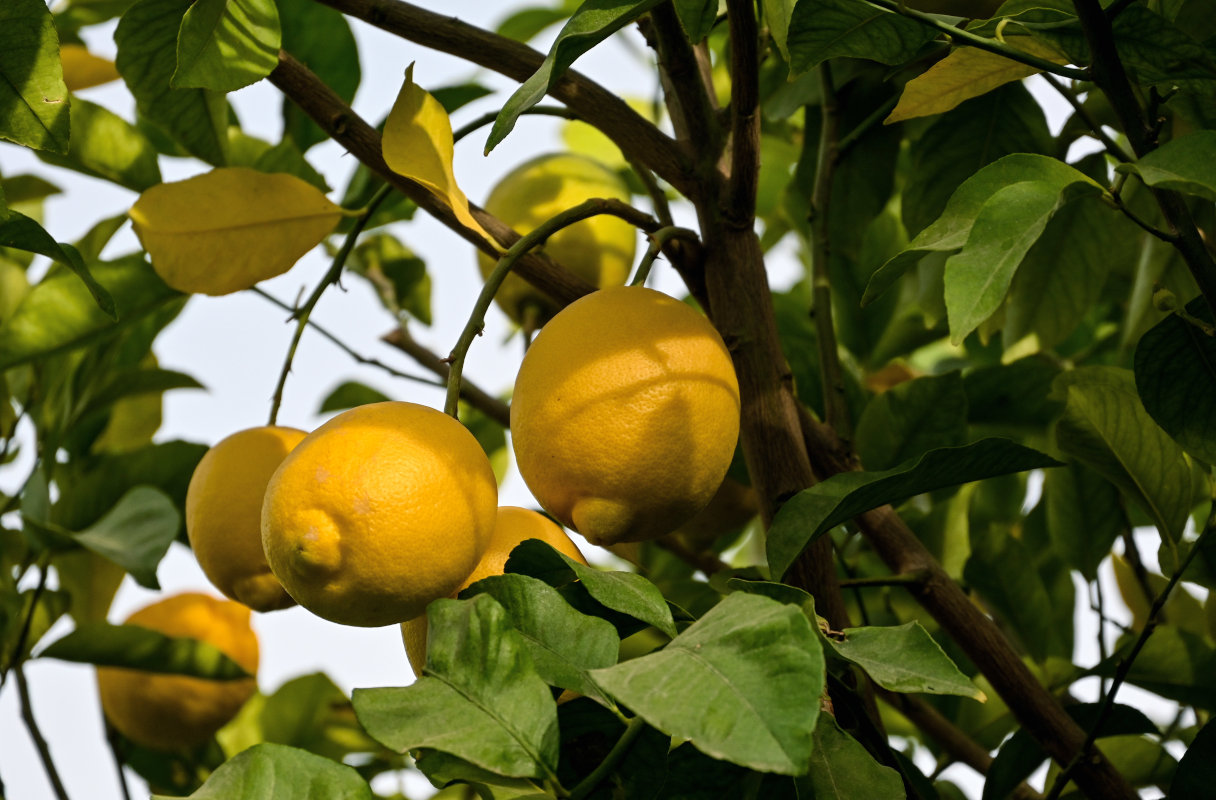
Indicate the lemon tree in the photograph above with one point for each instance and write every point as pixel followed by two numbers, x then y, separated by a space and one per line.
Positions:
pixel 858 444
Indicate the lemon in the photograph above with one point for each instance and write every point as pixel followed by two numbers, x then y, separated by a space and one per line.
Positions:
pixel 625 415
pixel 169 712
pixel 512 526
pixel 599 250
pixel 224 514
pixel 378 512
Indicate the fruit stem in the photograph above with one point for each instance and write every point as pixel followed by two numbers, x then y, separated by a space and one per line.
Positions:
pixel 657 239
pixel 477 319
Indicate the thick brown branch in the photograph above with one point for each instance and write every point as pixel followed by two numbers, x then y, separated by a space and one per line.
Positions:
pixel 1032 705
pixel 684 87
pixel 638 139
pixel 478 398
pixel 744 112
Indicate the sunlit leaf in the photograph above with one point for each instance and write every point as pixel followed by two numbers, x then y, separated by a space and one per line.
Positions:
pixel 32 91
pixel 227 229
pixel 1176 378
pixel 418 145
pixel 105 145
pixel 83 70
pixel 22 233
pixel 282 773
pixel 225 45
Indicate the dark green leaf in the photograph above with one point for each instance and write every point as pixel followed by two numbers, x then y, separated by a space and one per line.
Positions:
pixel 1106 428
pixel 349 395
pixel 905 659
pixel 1196 773
pixel 692 775
pixel 1014 395
pixel 1084 516
pixel 1185 165
pixel 21 232
pixel 136 647
pixel 129 383
pixel 135 534
pixel 106 146
pixel 697 17
pixel 282 773
pixel 825 505
pixel 59 313
pixel 459 95
pixel 312 713
pixel 225 45
pixel 742 684
pixel 286 157
pixel 320 38
pixel 592 23
pixel 912 418
pixel 1175 663
pixel 481 699
pixel 399 276
pixel 563 643
pixel 147 56
pixel 1176 378
pixel 823 29
pixel 33 97
pixel 841 769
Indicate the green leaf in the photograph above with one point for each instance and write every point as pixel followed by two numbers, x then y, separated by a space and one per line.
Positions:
pixel 1187 165
pixel 136 647
pixel 592 23
pixel 777 14
pixel 952 230
pixel 741 684
pixel 697 17
pixel 282 773
pixel 225 45
pixel 1084 516
pixel 349 395
pixel 21 232
pixel 399 276
pixel 1196 773
pixel 961 142
pixel 59 313
pixel 912 418
pixel 626 592
pixel 147 56
pixel 309 712
pixel 33 97
pixel 841 769
pixel 1175 663
pixel 813 511
pixel 42 610
pixel 97 237
pixel 1175 370
pixel 527 23
pixel 106 146
pixel 904 658
pixel 823 29
pixel 563 643
pixel 1106 428
pixel 321 39
pixel 978 277
pixel 481 699
pixel 135 534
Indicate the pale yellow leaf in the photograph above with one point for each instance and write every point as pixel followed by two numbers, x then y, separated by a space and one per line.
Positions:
pixel 418 145
pixel 82 69
pixel 227 229
pixel 964 74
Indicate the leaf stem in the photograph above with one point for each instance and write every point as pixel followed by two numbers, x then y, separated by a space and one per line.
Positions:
pixel 488 118
pixel 31 724
pixel 1096 129
pixel 1125 664
pixel 302 313
pixel 477 319
pixel 605 767
pixel 657 239
pixel 475 396
pixel 966 37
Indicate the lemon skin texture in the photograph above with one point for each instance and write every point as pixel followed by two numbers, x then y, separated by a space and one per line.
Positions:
pixel 513 526
pixel 171 712
pixel 224 514
pixel 625 415
pixel 378 512
pixel 599 250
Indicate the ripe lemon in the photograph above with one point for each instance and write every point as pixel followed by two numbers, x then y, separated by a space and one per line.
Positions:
pixel 224 514
pixel 378 512
pixel 169 712
pixel 513 525
pixel 625 415
pixel 599 250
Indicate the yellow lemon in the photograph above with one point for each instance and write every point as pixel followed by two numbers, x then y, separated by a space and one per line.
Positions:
pixel 625 415
pixel 513 525
pixel 599 250
pixel 224 514
pixel 378 512
pixel 169 712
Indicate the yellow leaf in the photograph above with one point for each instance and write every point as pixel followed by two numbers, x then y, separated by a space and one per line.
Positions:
pixel 227 229
pixel 82 69
pixel 964 74
pixel 418 145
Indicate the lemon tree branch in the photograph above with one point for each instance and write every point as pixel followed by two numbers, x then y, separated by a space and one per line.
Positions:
pixel 475 396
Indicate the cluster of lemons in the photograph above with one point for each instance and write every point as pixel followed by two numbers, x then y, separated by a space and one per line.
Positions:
pixel 624 420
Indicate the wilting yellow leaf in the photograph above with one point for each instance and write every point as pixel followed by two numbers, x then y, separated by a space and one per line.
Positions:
pixel 82 69
pixel 967 73
pixel 418 145
pixel 227 229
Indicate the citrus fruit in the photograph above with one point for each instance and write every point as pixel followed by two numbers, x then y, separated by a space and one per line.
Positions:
pixel 378 512
pixel 224 514
pixel 512 526
pixel 599 250
pixel 625 414
pixel 169 712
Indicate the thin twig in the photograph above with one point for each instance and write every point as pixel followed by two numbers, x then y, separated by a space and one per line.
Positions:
pixel 1096 129
pixel 119 761
pixel 657 241
pixel 909 580
pixel 588 784
pixel 475 396
pixel 13 659
pixel 489 117
pixel 1168 238
pixel 44 752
